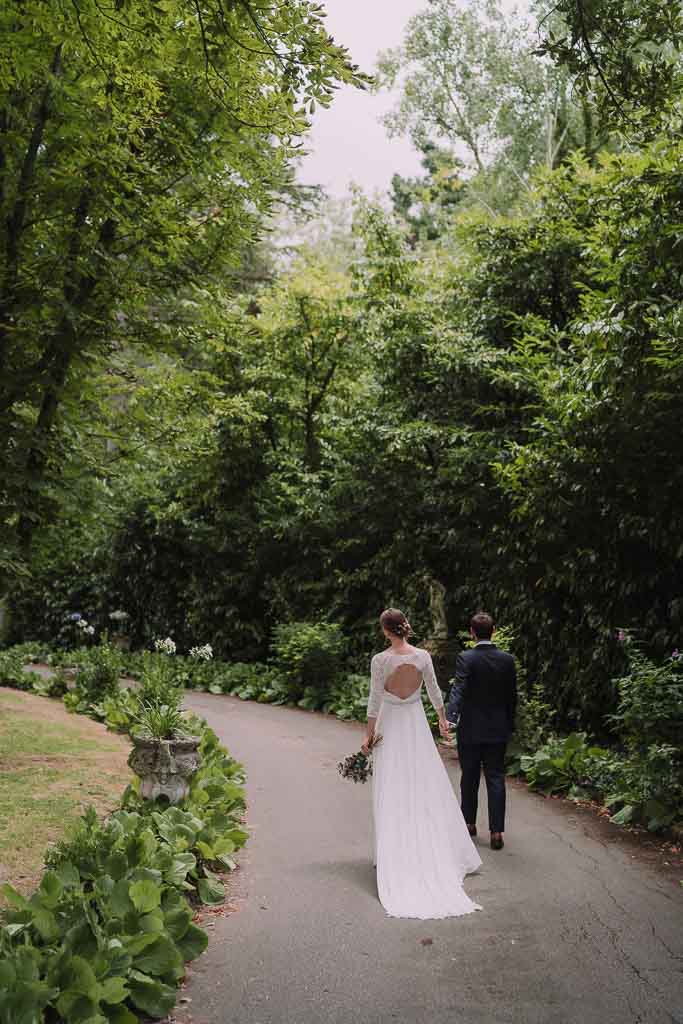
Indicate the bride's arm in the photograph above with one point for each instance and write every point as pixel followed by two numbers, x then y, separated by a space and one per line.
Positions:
pixel 375 698
pixel 435 696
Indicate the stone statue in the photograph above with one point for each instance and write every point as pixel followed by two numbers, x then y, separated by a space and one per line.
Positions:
pixel 437 607
pixel 165 766
pixel 443 649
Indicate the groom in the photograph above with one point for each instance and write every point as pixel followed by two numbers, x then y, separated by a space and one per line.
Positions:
pixel 482 705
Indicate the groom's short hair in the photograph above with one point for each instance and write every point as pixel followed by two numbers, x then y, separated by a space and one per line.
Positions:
pixel 482 625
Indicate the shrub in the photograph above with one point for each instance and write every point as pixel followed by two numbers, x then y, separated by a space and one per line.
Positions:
pixel 533 724
pixel 641 788
pixel 98 674
pixel 308 655
pixel 650 703
pixel 12 672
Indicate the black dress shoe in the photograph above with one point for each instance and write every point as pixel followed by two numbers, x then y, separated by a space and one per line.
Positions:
pixel 497 841
pixel 472 829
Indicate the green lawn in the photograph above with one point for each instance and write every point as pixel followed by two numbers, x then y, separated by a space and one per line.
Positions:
pixel 52 765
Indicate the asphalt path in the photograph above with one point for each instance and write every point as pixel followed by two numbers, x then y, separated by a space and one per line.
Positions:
pixel 574 926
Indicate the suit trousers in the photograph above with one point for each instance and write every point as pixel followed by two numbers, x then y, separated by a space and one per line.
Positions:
pixel 492 757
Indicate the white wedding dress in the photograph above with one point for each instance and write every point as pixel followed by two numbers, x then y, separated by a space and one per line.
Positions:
pixel 422 845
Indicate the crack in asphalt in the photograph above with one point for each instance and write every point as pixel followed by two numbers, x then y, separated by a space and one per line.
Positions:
pixel 674 956
pixel 594 874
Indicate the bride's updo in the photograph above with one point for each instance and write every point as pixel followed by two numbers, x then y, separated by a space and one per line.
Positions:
pixel 394 621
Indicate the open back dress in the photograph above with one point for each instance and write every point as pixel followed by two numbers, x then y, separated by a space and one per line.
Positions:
pixel 423 848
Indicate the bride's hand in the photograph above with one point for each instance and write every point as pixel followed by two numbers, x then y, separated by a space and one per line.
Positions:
pixel 445 728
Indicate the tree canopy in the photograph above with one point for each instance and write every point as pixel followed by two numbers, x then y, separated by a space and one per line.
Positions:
pixel 479 386
pixel 140 144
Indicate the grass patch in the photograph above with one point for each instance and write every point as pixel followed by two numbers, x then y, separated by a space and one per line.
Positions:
pixel 52 765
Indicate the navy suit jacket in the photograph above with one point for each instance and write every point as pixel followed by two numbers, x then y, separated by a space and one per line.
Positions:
pixel 483 698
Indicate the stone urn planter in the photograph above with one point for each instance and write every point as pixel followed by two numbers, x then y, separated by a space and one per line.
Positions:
pixel 165 766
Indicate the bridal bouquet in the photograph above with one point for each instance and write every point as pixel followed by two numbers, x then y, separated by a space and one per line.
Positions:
pixel 358 767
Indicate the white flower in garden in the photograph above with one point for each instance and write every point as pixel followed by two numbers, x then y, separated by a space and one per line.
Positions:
pixel 204 653
pixel 119 616
pixel 83 624
pixel 90 630
pixel 166 646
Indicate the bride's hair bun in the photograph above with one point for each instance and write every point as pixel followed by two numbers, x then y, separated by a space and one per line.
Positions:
pixel 394 621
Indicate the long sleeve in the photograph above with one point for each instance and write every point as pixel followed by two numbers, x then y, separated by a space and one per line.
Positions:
pixel 459 689
pixel 433 689
pixel 376 687
pixel 512 704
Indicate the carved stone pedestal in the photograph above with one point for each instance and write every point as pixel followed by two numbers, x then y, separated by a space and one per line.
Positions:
pixel 165 766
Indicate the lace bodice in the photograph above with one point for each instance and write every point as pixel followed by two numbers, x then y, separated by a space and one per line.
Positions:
pixel 382 666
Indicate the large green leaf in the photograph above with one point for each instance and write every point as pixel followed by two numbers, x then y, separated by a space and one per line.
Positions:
pixel 116 865
pixel 177 922
pixel 150 995
pixel 13 897
pixel 76 1008
pixel 113 990
pixel 50 890
pixel 181 866
pixel 211 890
pixel 76 976
pixel 45 923
pixel 145 896
pixel 120 900
pixel 120 1015
pixel 27 963
pixel 193 943
pixel 159 957
pixel 135 944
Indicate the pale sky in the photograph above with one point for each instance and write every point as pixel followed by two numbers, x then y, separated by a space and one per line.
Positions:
pixel 347 142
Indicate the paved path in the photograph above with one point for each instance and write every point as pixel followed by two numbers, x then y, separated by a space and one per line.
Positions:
pixel 573 928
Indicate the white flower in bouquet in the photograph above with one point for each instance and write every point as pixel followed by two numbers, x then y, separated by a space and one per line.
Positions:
pixel 166 646
pixel 203 653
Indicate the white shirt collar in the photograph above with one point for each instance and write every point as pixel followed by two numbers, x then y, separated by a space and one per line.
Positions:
pixel 479 643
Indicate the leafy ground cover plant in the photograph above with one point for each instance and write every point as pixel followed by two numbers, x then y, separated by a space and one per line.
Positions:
pixel 560 764
pixel 641 781
pixel 105 936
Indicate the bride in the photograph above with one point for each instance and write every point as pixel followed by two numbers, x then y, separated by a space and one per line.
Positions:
pixel 422 845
